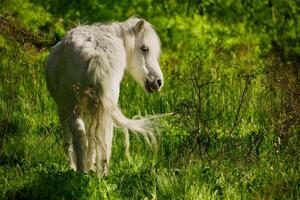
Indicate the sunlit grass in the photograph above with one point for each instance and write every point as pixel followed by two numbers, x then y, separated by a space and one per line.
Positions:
pixel 233 135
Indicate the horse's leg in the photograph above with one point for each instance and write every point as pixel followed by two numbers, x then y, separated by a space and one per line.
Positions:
pixel 68 145
pixel 98 147
pixel 68 142
pixel 76 126
pixel 104 143
pixel 91 151
pixel 108 144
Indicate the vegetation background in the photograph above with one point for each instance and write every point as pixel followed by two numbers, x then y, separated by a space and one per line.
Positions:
pixel 232 75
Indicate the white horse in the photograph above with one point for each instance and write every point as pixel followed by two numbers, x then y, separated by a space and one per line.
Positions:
pixel 83 75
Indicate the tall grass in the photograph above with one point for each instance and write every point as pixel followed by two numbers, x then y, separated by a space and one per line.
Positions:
pixel 234 133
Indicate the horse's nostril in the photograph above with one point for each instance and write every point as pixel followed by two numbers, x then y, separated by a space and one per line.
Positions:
pixel 158 81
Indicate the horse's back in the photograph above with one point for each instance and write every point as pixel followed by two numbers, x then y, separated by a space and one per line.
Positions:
pixel 86 57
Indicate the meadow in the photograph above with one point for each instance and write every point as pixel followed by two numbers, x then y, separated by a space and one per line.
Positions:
pixel 232 82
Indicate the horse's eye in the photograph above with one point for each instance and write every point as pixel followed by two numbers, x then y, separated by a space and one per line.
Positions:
pixel 144 48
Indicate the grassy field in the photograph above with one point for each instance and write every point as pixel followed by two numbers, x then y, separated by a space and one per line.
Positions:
pixel 231 78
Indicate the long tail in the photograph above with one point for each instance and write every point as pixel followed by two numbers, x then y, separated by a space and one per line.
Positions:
pixel 145 126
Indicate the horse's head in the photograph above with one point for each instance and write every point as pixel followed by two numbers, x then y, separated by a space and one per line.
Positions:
pixel 143 60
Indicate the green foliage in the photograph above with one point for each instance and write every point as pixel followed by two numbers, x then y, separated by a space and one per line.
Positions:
pixel 58 184
pixel 231 73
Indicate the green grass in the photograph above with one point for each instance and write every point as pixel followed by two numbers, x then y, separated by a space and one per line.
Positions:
pixel 41 173
pixel 234 134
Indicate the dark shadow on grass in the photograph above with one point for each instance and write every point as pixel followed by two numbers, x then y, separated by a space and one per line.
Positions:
pixel 12 160
pixel 54 184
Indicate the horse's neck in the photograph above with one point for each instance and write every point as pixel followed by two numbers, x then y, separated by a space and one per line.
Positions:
pixel 122 31
pixel 113 29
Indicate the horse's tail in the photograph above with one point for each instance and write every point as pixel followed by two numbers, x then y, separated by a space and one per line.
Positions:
pixel 145 126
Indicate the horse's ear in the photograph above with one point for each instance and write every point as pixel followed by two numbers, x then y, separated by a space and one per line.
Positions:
pixel 138 28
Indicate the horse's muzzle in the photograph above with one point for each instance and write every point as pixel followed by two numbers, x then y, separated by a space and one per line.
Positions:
pixel 153 86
